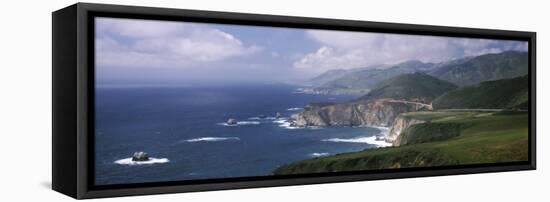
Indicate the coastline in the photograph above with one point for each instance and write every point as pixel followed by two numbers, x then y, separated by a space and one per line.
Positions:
pixel 439 141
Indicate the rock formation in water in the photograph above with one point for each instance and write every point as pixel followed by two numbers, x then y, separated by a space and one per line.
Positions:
pixel 231 121
pixel 140 156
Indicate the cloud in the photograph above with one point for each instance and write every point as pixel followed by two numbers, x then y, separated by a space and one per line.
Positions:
pixel 342 50
pixel 150 43
pixel 328 58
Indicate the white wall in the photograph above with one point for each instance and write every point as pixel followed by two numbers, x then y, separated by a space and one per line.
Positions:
pixel 25 99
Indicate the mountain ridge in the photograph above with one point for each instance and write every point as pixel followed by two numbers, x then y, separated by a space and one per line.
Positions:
pixel 493 66
pixel 496 94
pixel 415 87
pixel 462 72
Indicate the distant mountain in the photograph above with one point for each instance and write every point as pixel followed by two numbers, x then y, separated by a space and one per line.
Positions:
pixel 498 94
pixel 462 72
pixel 469 71
pixel 369 78
pixel 334 74
pixel 416 65
pixel 328 76
pixel 416 87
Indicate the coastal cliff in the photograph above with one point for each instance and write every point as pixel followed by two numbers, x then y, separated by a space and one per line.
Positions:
pixel 434 142
pixel 466 111
pixel 379 112
pixel 401 124
pixel 403 129
pixel 420 127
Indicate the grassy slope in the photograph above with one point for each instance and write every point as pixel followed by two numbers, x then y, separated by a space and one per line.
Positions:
pixel 486 67
pixel 499 94
pixel 367 78
pixel 489 138
pixel 413 86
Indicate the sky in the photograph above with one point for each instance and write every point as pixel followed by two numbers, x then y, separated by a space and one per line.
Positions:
pixel 132 51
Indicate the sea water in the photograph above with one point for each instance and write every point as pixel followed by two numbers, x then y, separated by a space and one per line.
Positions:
pixel 184 131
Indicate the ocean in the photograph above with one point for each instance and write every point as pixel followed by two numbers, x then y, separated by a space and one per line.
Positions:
pixel 184 132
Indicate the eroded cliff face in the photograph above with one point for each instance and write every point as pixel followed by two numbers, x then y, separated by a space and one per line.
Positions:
pixel 400 124
pixel 380 112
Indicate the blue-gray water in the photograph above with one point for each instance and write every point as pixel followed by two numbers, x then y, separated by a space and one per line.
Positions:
pixel 184 125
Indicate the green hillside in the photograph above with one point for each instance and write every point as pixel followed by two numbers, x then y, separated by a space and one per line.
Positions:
pixel 367 78
pixel 417 87
pixel 486 67
pixel 499 94
pixel 471 138
pixel 328 76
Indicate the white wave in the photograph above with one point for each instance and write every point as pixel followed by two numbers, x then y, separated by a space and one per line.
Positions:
pixel 295 109
pixel 226 124
pixel 286 124
pixel 128 161
pixel 248 122
pixel 241 123
pixel 365 140
pixel 265 118
pixel 283 123
pixel 383 130
pixel 319 154
pixel 280 121
pixel 211 139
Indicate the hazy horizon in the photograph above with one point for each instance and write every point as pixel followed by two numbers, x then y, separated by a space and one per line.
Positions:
pixel 151 52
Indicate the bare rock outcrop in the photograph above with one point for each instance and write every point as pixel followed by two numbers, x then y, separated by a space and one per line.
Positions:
pixel 400 124
pixel 380 112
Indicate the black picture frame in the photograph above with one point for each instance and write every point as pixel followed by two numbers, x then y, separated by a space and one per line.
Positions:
pixel 73 100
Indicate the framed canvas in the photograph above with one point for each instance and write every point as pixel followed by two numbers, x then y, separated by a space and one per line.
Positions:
pixel 156 100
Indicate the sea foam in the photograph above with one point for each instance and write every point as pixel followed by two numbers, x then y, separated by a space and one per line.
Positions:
pixel 383 130
pixel 128 161
pixel 241 123
pixel 365 140
pixel 211 139
pixel 283 123
pixel 280 121
pixel 265 118
pixel 248 122
pixel 294 109
pixel 319 154
pixel 287 125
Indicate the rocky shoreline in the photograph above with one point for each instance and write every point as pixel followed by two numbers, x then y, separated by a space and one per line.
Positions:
pixel 400 124
pixel 376 113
